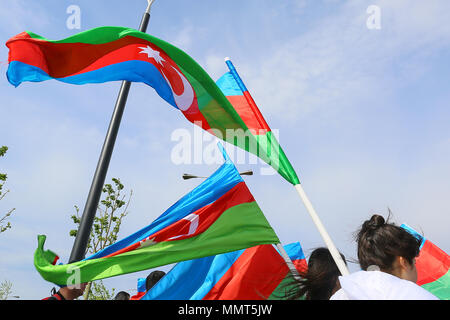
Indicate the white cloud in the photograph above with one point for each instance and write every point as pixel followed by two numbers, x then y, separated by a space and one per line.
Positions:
pixel 215 66
pixel 339 62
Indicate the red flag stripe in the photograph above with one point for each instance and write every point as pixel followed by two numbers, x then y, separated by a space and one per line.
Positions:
pixel 431 264
pixel 254 276
pixel 206 217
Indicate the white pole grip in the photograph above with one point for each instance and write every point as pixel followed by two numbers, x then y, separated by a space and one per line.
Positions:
pixel 334 252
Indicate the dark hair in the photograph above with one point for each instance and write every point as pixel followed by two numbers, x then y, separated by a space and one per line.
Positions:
pixel 318 282
pixel 380 242
pixel 122 295
pixel 153 278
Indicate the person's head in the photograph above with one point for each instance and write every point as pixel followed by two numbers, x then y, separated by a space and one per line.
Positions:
pixel 153 278
pixel 321 280
pixel 388 247
pixel 322 275
pixel 122 295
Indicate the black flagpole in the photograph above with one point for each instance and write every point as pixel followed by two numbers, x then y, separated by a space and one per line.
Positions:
pixel 90 209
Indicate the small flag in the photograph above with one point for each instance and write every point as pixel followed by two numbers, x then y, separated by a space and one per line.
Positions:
pixel 433 267
pixel 237 93
pixel 247 274
pixel 141 289
pixel 220 215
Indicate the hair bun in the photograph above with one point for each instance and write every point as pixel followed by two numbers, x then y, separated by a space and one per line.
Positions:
pixel 374 223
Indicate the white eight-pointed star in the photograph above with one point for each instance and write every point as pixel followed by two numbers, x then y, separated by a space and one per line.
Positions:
pixel 152 54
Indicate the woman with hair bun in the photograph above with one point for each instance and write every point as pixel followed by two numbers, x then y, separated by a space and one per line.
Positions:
pixel 386 255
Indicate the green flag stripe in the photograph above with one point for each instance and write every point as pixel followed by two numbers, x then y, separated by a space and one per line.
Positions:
pixel 286 289
pixel 441 287
pixel 239 227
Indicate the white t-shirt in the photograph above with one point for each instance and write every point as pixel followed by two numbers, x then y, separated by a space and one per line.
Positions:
pixel 378 285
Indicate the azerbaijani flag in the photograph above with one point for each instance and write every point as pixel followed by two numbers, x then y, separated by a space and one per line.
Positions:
pixel 248 274
pixel 433 267
pixel 117 53
pixel 220 215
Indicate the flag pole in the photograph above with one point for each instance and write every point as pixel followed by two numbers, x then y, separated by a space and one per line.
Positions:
pixel 288 261
pixel 323 232
pixel 90 209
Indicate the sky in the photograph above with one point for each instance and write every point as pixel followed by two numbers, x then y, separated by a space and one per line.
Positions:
pixel 361 110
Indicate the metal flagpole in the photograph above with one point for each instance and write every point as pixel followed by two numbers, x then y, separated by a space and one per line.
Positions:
pixel 90 209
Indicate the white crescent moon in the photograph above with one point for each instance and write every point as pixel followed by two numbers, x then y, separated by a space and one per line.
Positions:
pixel 183 101
pixel 193 218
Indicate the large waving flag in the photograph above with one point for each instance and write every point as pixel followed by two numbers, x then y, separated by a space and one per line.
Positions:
pixel 433 267
pixel 248 274
pixel 116 53
pixel 220 215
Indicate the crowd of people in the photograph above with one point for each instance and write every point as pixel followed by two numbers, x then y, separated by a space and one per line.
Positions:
pixel 386 255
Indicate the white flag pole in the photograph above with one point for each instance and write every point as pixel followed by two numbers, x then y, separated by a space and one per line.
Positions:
pixel 334 252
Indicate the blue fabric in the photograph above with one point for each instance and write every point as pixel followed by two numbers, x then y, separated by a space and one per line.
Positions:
pixel 415 234
pixel 219 183
pixel 236 76
pixel 141 285
pixel 133 70
pixel 228 85
pixel 193 279
pixel 294 251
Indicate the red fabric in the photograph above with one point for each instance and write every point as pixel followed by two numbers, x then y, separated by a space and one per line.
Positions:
pixel 242 107
pixel 138 296
pixel 254 276
pixel 56 296
pixel 60 60
pixel 207 215
pixel 431 264
pixel 263 124
pixel 301 265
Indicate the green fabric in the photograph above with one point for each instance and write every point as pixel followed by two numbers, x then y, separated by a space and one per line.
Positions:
pixel 239 227
pixel 441 287
pixel 285 289
pixel 276 157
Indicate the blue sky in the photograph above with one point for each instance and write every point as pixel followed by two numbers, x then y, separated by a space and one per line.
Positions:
pixel 362 115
